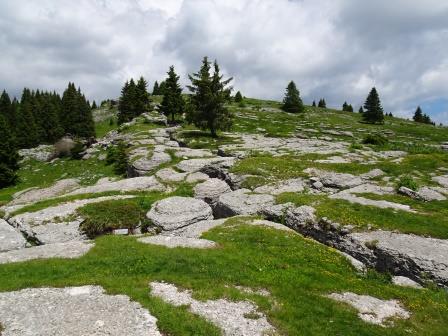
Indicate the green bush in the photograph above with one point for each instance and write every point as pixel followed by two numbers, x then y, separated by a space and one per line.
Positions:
pixel 408 182
pixel 103 217
pixel 118 156
pixel 375 139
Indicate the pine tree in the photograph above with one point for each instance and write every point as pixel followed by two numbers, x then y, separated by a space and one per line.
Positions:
pixel 322 103
pixel 292 101
pixel 141 96
pixel 418 115
pixel 6 109
pixel 238 97
pixel 361 110
pixel 155 89
pixel 349 108
pixel 373 109
pixel 172 103
pixel 76 114
pixel 8 155
pixel 26 133
pixel 94 106
pixel 162 88
pixel 207 108
pixel 344 106
pixel 50 122
pixel 314 103
pixel 128 103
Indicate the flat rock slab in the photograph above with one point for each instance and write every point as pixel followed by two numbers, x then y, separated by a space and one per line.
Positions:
pixel 73 311
pixel 176 212
pixel 210 190
pixel 170 175
pixel 292 186
pixel 197 229
pixel 143 183
pixel 372 310
pixel 74 249
pixel 335 180
pixel 369 202
pixel 442 180
pixel 405 282
pixel 143 165
pixel 229 316
pixel 413 255
pixel 195 165
pixel 242 202
pixel 174 241
pixel 10 238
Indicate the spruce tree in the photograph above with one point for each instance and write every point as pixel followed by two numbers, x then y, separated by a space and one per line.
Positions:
pixel 94 106
pixel 238 97
pixel 361 110
pixel 172 103
pixel 349 108
pixel 207 108
pixel 6 109
pixel 322 103
pixel 418 115
pixel 76 114
pixel 162 88
pixel 142 97
pixel 344 106
pixel 26 133
pixel 373 109
pixel 314 103
pixel 50 122
pixel 292 101
pixel 8 155
pixel 155 89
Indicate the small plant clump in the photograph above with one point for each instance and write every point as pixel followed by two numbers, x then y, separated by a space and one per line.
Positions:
pixel 118 157
pixel 408 182
pixel 375 139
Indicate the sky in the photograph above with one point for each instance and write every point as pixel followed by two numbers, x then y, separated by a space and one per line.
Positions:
pixel 332 49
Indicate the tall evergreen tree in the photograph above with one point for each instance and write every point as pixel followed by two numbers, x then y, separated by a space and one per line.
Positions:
pixel 26 133
pixel 373 109
pixel 94 106
pixel 314 103
pixel 292 101
pixel 344 106
pixel 155 89
pixel 76 114
pixel 322 103
pixel 7 110
pixel 238 97
pixel 172 103
pixel 162 88
pixel 361 110
pixel 8 155
pixel 418 115
pixel 141 96
pixel 207 108
pixel 50 122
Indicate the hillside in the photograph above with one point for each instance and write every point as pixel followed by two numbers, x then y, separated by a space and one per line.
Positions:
pixel 289 224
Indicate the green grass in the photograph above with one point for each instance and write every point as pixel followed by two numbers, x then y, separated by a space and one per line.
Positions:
pixel 431 219
pixel 298 272
pixel 104 127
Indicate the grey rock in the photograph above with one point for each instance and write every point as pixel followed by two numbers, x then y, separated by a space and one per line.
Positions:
pixel 176 212
pixel 372 310
pixel 366 201
pixel 144 165
pixel 358 265
pixel 170 175
pixel 231 317
pixel 73 249
pixel 194 165
pixel 335 180
pixel 373 174
pixel 10 238
pixel 276 212
pixel 155 118
pixel 291 185
pixel 196 177
pixel 317 185
pixel 242 202
pixel 143 183
pixel 300 216
pixel 429 194
pixel 408 192
pixel 174 241
pixel 41 153
pixel 71 311
pixel 210 190
pixel 442 180
pixel 405 282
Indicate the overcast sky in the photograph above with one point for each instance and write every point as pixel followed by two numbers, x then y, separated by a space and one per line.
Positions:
pixel 336 49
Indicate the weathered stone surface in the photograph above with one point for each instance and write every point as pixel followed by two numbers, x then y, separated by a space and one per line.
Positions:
pixel 230 317
pixel 242 202
pixel 176 212
pixel 408 192
pixel 366 201
pixel 405 282
pixel 170 175
pixel 42 153
pixel 292 185
pixel 210 190
pixel 276 212
pixel 73 249
pixel 50 225
pixel 370 188
pixel 300 216
pixel 174 241
pixel 442 180
pixel 10 238
pixel 429 194
pixel 358 265
pixel 372 310
pixel 373 174
pixel 185 152
pixel 144 165
pixel 335 180
pixel 197 229
pixel 143 183
pixel 72 311
pixel 155 118
pixel 195 165
pixel 197 177
pixel 59 188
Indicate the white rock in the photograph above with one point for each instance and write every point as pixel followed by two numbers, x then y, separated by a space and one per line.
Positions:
pixel 195 165
pixel 242 202
pixel 405 282
pixel 170 175
pixel 174 241
pixel 292 185
pixel 10 238
pixel 210 190
pixel 143 183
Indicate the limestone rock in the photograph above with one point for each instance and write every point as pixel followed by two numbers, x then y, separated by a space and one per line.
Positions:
pixel 300 216
pixel 170 175
pixel 144 165
pixel 195 165
pixel 173 241
pixel 405 282
pixel 373 174
pixel 335 180
pixel 86 310
pixel 41 153
pixel 196 177
pixel 10 238
pixel 176 212
pixel 242 202
pixel 210 190
pixel 442 180
pixel 372 310
pixel 408 192
pixel 143 183
pixel 292 185
pixel 429 194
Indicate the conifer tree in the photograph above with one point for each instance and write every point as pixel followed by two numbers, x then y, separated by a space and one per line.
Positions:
pixel 361 110
pixel 76 114
pixel 238 97
pixel 155 89
pixel 162 88
pixel 8 155
pixel 292 101
pixel 26 133
pixel 314 103
pixel 50 122
pixel 141 96
pixel 6 109
pixel 172 103
pixel 94 106
pixel 322 103
pixel 344 106
pixel 207 108
pixel 349 108
pixel 373 109
pixel 418 115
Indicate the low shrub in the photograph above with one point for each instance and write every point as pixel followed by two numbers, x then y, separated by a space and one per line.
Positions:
pixel 375 139
pixel 118 157
pixel 408 182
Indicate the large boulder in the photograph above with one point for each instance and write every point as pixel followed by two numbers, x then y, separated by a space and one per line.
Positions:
pixel 300 216
pixel 142 183
pixel 10 238
pixel 334 180
pixel 210 190
pixel 195 165
pixel 144 165
pixel 176 212
pixel 242 202
pixel 292 185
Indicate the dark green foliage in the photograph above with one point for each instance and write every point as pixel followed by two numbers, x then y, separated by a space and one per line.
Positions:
pixel 238 97
pixel 207 107
pixel 172 103
pixel 134 100
pixel 322 103
pixel 118 157
pixel 314 103
pixel 361 110
pixel 106 216
pixel 162 86
pixel 373 109
pixel 375 139
pixel 76 114
pixel 292 101
pixel 347 107
pixel 94 106
pixel 408 182
pixel 422 118
pixel 8 111
pixel 8 155
pixel 155 89
pixel 78 148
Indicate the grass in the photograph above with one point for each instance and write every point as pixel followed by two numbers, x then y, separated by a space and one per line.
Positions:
pixel 431 219
pixel 103 127
pixel 283 263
